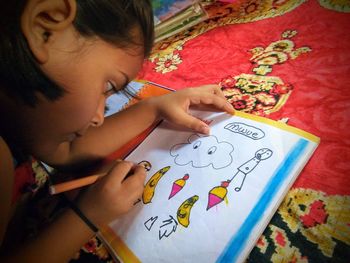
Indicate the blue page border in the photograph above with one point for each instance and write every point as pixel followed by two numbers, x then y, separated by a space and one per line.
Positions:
pixel 239 240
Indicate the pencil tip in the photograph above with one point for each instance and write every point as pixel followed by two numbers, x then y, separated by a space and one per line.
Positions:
pixel 52 190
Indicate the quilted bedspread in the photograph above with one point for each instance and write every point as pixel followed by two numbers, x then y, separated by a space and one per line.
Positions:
pixel 281 59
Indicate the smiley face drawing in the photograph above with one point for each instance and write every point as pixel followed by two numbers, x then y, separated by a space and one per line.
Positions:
pixel 150 186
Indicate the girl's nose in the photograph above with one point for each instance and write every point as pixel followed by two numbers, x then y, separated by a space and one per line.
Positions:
pixel 98 119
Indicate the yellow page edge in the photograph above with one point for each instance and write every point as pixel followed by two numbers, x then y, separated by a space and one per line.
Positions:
pixel 117 247
pixel 279 125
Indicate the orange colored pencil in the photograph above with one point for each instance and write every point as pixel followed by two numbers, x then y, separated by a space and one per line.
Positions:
pixel 74 184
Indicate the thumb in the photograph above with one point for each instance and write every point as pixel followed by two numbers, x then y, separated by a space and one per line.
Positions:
pixel 119 172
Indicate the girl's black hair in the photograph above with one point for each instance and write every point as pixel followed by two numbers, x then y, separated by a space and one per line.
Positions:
pixel 110 20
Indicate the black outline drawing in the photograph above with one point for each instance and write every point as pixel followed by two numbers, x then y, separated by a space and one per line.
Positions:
pixel 167 222
pixel 149 223
pixel 196 145
pixel 146 164
pixel 247 131
pixel 246 168
pixel 249 166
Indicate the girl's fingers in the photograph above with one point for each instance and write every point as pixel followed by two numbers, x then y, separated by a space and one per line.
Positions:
pixel 210 95
pixel 119 172
pixel 218 91
pixel 134 184
pixel 212 89
pixel 186 120
pixel 217 101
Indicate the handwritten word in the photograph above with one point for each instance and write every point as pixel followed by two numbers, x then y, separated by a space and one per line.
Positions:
pixel 245 130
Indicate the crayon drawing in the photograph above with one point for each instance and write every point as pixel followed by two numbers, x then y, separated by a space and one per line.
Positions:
pixel 151 185
pixel 218 193
pixel 178 185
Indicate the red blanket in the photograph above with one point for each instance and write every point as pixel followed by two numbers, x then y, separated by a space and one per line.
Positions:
pixel 281 59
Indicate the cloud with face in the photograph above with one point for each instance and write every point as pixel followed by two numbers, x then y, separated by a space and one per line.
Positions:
pixel 203 152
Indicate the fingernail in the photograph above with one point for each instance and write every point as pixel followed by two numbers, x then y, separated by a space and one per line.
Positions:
pixel 230 107
pixel 204 129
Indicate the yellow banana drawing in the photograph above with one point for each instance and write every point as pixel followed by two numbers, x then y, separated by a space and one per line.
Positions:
pixel 184 211
pixel 150 186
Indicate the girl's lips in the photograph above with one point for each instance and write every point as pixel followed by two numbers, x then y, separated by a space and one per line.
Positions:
pixel 78 134
pixel 71 137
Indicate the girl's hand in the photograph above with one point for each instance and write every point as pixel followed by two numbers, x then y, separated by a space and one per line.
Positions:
pixel 175 106
pixel 114 194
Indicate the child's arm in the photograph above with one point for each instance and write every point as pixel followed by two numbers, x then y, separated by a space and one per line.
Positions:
pixel 110 197
pixel 58 243
pixel 6 185
pixel 123 126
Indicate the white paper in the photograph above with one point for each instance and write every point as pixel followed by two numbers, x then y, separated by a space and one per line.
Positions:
pixel 258 162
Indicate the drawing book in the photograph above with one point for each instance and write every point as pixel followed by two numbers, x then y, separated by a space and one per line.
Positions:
pixel 165 9
pixel 209 198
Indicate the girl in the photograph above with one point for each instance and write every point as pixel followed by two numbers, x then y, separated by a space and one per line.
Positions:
pixel 59 61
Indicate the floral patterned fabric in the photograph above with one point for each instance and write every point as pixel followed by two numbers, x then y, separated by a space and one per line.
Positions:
pixel 283 60
pixel 280 59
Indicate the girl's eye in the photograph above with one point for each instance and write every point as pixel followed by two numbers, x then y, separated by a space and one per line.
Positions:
pixel 110 88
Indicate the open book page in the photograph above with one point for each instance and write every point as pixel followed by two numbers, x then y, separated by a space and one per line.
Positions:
pixel 209 198
pixel 136 91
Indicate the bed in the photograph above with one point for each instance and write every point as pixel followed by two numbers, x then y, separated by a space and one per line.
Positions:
pixel 289 60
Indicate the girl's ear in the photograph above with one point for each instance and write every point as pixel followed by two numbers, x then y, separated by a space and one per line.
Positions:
pixel 43 20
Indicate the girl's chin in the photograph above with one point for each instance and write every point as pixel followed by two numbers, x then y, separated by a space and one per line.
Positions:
pixel 73 136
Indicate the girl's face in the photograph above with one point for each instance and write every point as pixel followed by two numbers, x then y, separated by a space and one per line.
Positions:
pixel 89 70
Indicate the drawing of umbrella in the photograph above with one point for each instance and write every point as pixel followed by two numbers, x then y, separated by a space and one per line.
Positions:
pixel 178 185
pixel 217 194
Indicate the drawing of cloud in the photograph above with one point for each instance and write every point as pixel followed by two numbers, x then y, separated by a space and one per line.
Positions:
pixel 202 152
